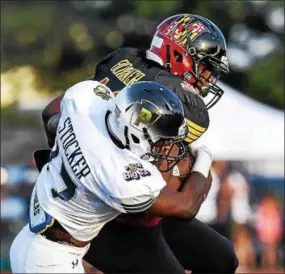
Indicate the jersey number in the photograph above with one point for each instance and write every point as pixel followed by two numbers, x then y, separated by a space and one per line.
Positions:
pixel 69 185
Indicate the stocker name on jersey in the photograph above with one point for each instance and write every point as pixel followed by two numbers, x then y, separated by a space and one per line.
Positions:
pixel 72 150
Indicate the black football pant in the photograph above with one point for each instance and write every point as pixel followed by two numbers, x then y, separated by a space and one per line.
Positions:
pixel 183 245
pixel 198 247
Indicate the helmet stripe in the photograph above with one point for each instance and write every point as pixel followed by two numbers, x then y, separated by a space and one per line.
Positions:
pixel 192 136
pixel 194 131
pixel 195 126
pixel 188 140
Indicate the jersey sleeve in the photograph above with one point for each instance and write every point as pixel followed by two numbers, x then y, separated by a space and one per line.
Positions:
pixel 83 97
pixel 194 107
pixel 131 188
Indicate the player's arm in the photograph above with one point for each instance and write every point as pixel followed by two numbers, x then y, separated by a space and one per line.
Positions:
pixel 51 110
pixel 187 202
pixel 153 196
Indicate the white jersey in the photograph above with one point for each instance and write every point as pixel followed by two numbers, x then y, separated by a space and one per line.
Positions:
pixel 89 180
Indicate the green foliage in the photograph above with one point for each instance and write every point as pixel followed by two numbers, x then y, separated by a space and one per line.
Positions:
pixel 154 9
pixel 57 39
pixel 26 25
pixel 202 8
pixel 266 81
pixel 60 82
pixel 236 10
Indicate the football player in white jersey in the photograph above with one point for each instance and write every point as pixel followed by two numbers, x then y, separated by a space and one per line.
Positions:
pixel 104 163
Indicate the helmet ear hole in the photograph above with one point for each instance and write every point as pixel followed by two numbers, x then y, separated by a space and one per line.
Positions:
pixel 135 139
pixel 178 56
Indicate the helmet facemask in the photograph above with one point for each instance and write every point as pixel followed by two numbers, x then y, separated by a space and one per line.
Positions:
pixel 203 74
pixel 207 71
pixel 166 152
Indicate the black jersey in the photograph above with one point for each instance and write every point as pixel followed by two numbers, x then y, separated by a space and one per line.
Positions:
pixel 126 66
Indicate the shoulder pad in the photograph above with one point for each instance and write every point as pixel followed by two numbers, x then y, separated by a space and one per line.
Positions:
pixel 194 107
pixel 127 51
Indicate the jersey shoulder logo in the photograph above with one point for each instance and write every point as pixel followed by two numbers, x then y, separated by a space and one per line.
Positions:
pixel 135 172
pixel 102 92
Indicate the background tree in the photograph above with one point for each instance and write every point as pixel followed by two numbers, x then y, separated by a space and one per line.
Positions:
pixel 63 40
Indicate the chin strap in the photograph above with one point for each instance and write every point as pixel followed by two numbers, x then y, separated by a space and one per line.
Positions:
pixel 127 146
pixel 115 140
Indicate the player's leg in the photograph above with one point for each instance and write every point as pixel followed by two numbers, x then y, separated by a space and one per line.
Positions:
pixel 198 247
pixel 121 248
pixel 31 253
pixel 159 259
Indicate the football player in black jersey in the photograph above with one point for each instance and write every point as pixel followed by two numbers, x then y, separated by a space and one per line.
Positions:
pixel 187 55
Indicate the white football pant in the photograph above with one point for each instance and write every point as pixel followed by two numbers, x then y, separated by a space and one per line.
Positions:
pixel 31 253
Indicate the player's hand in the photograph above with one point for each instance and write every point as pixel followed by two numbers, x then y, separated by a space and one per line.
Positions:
pixel 203 160
pixel 196 151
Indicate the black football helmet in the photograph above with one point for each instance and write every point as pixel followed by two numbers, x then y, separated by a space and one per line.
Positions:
pixel 146 118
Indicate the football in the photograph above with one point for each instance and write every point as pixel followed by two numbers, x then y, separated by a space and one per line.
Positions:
pixel 177 175
pixel 183 168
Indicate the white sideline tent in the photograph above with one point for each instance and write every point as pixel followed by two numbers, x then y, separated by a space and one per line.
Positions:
pixel 243 129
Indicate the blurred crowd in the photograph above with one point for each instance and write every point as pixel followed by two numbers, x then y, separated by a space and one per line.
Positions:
pixel 248 211
pixel 243 208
